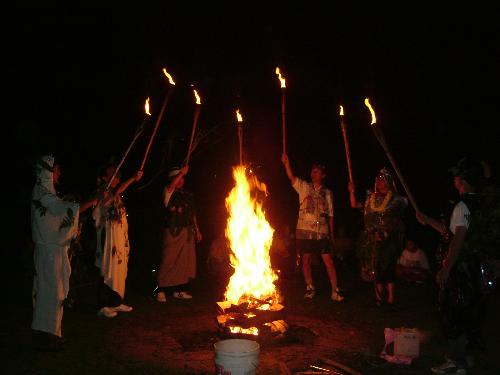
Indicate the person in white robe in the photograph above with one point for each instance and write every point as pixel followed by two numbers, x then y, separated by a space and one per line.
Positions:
pixel 54 224
pixel 113 246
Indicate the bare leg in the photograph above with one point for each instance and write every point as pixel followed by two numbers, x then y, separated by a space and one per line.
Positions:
pixel 379 291
pixel 330 268
pixel 390 292
pixel 306 269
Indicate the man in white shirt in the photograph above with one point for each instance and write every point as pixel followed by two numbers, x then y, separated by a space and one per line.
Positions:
pixel 314 233
pixel 461 317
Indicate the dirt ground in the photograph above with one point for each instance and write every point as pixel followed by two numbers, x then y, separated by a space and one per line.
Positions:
pixel 177 337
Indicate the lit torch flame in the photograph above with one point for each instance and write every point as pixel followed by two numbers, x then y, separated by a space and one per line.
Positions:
pixel 250 237
pixel 374 119
pixel 170 79
pixel 341 111
pixel 197 97
pixel 281 78
pixel 239 116
pixel 146 107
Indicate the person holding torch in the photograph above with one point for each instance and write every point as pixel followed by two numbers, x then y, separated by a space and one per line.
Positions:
pixel 113 246
pixel 314 231
pixel 381 242
pixel 180 233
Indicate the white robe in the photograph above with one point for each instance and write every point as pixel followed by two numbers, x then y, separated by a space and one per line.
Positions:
pixel 54 224
pixel 112 255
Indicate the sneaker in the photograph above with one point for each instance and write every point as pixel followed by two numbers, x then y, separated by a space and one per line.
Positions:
pixel 310 292
pixel 337 297
pixel 160 297
pixel 182 295
pixel 448 367
pixel 122 308
pixel 107 312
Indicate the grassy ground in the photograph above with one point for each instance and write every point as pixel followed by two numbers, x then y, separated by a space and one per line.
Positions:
pixel 177 337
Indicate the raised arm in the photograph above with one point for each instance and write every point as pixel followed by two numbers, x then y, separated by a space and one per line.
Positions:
pixel 176 179
pixel 169 189
pixel 288 168
pixel 125 184
pixel 352 196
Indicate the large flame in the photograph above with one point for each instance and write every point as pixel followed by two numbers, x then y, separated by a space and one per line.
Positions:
pixel 250 237
pixel 146 107
pixel 170 79
pixel 374 119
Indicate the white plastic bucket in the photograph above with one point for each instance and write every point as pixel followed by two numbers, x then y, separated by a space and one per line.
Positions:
pixel 236 357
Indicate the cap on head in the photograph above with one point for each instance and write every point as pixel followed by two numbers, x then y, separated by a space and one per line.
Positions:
pixel 474 171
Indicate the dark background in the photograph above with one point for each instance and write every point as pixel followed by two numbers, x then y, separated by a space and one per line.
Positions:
pixel 78 78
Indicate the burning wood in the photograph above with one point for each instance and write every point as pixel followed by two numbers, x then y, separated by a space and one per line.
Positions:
pixel 252 302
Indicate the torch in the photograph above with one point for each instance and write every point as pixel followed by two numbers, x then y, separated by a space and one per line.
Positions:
pixel 195 121
pixel 346 144
pixel 381 139
pixel 240 133
pixel 283 101
pixel 137 134
pixel 160 116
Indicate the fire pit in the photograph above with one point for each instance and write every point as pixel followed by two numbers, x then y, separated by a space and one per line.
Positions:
pixel 253 306
pixel 243 321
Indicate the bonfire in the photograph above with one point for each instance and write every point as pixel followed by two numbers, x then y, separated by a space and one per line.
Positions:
pixel 252 301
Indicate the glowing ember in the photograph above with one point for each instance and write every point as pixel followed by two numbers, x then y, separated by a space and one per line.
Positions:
pixel 170 79
pixel 246 331
pixel 281 78
pixel 250 237
pixel 239 117
pixel 374 119
pixel 146 107
pixel 341 111
pixel 197 97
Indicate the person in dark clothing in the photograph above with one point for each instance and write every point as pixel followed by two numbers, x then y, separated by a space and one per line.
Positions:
pixel 460 300
pixel 179 236
pixel 381 241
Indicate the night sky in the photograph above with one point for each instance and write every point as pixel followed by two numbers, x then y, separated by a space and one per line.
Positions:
pixel 78 80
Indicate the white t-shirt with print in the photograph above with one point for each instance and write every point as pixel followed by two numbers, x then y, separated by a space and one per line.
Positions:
pixel 316 207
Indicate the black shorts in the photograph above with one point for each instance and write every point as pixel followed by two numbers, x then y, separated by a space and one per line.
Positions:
pixel 305 246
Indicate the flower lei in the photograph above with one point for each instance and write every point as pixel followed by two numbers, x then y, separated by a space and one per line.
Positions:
pixel 384 203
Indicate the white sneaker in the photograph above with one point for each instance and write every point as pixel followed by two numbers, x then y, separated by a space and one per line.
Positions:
pixel 182 295
pixel 122 308
pixel 107 312
pixel 448 367
pixel 310 292
pixel 160 297
pixel 337 297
